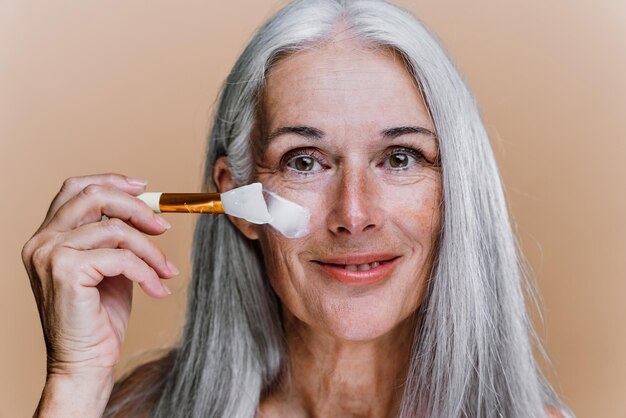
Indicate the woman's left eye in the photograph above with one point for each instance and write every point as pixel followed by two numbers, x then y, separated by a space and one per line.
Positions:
pixel 398 160
pixel 401 158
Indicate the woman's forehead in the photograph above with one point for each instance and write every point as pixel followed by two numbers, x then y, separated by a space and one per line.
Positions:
pixel 343 84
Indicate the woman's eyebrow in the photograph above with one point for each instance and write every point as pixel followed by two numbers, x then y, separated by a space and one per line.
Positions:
pixel 403 130
pixel 315 134
pixel 305 131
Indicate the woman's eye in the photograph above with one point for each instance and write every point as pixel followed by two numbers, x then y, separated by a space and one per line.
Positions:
pixel 304 164
pixel 402 158
pixel 398 160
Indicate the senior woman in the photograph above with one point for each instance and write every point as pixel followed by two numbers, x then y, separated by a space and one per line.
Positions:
pixel 404 300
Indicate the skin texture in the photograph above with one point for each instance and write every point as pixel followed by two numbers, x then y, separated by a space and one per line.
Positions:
pixel 348 345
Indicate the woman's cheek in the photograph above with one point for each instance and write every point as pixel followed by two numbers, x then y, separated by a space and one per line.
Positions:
pixel 417 210
pixel 314 201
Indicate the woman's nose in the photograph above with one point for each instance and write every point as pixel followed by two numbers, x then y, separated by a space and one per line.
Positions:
pixel 355 203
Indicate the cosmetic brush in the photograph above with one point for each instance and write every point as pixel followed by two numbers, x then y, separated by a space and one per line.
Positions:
pixel 249 202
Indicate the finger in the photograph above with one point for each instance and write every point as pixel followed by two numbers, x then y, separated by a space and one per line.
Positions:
pixel 116 295
pixel 105 262
pixel 115 233
pixel 73 185
pixel 96 200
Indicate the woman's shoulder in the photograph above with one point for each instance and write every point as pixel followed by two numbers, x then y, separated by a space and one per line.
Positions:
pixel 136 393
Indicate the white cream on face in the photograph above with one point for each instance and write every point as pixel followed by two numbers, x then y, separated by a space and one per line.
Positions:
pixel 288 218
pixel 251 203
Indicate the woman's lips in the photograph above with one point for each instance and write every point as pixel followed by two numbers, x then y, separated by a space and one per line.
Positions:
pixel 359 269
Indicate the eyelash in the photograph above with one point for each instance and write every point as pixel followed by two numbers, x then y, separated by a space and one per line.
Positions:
pixel 416 153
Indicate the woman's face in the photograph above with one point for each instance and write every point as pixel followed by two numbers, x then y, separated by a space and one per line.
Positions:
pixel 344 131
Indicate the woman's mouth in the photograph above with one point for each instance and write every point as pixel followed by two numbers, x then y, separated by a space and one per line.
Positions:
pixel 363 269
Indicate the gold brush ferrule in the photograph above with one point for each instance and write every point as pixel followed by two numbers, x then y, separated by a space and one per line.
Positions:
pixel 191 203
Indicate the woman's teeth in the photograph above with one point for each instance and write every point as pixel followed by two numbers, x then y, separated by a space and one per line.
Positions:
pixel 361 267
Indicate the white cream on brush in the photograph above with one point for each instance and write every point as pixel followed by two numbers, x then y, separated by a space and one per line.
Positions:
pixel 249 202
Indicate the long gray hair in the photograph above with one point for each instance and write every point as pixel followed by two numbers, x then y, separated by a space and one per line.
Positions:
pixel 472 352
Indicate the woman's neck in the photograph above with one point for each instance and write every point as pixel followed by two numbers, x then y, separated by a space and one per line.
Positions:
pixel 326 376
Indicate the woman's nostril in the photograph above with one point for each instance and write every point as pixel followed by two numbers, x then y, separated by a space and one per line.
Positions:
pixel 343 230
pixel 370 226
pixel 354 227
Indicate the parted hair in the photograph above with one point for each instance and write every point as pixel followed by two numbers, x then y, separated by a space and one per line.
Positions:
pixel 472 353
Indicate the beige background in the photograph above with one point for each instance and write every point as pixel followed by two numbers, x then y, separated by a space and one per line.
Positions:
pixel 88 87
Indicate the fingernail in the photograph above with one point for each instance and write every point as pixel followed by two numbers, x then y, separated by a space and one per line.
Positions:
pixel 167 289
pixel 136 182
pixel 172 268
pixel 165 224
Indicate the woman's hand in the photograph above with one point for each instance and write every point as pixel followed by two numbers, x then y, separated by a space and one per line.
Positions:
pixel 81 271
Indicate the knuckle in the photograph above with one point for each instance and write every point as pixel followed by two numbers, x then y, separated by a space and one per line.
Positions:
pixel 39 256
pixel 57 254
pixel 115 226
pixel 27 251
pixel 92 189
pixel 127 254
pixel 112 177
pixel 70 183
pixel 59 261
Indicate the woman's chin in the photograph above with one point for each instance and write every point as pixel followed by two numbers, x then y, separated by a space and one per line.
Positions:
pixel 357 326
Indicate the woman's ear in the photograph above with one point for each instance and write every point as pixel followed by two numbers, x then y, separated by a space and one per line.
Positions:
pixel 225 182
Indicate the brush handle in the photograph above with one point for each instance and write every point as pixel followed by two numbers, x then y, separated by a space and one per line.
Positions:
pixel 161 202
